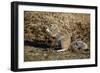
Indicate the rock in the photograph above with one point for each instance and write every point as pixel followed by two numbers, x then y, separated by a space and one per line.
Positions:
pixel 78 45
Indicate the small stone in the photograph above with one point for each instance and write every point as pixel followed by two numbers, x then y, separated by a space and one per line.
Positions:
pixel 45 54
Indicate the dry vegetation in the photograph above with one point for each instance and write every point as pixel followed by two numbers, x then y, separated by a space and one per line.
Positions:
pixel 77 24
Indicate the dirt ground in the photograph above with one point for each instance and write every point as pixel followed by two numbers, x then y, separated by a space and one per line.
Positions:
pixel 77 24
pixel 38 54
